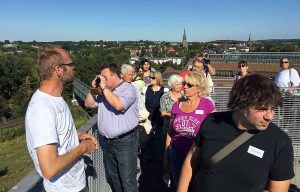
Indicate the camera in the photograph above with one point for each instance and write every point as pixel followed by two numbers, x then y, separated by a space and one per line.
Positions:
pixel 97 91
pixel 98 81
pixel 206 61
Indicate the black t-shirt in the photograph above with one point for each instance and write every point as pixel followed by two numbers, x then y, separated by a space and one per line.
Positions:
pixel 268 155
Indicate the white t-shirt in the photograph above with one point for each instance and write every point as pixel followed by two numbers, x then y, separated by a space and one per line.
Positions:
pixel 49 120
pixel 282 78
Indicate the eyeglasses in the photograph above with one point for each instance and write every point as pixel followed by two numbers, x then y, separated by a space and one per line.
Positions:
pixel 67 64
pixel 285 62
pixel 187 84
pixel 239 66
pixel 152 78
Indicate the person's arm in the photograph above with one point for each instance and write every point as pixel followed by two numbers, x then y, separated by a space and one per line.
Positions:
pixel 188 168
pixel 111 98
pixel 295 78
pixel 211 70
pixel 278 186
pixel 163 114
pixel 167 144
pixel 52 164
pixel 90 100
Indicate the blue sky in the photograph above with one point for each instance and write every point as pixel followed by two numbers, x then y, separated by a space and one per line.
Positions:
pixel 158 20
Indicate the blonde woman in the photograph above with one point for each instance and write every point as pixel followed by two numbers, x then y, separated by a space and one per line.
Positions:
pixel 186 118
pixel 153 94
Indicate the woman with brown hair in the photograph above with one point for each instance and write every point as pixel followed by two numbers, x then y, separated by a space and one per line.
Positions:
pixel 244 71
pixel 145 68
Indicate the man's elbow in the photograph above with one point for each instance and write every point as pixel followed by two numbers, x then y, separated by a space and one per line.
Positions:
pixel 120 108
pixel 48 174
pixel 88 104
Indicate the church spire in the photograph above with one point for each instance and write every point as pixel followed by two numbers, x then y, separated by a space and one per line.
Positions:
pixel 249 43
pixel 184 42
pixel 249 39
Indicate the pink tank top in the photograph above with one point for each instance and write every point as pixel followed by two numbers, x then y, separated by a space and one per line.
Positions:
pixel 186 125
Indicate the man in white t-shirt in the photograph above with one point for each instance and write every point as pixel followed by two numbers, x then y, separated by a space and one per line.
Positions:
pixel 52 140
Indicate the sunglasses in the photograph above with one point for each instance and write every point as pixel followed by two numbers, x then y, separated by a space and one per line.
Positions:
pixel 239 66
pixel 152 78
pixel 187 84
pixel 67 64
pixel 285 62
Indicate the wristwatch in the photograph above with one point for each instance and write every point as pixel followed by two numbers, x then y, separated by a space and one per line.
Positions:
pixel 105 87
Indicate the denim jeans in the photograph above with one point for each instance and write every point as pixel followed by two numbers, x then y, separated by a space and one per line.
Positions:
pixel 176 162
pixel 121 161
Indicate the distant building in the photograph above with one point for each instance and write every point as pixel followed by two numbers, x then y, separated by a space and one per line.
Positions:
pixel 10 45
pixel 184 42
pixel 249 43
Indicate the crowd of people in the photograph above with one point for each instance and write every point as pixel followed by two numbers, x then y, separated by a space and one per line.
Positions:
pixel 177 126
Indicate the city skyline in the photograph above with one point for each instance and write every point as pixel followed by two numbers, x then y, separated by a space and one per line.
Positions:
pixel 45 20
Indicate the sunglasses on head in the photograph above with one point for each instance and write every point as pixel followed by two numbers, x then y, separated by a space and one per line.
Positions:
pixel 239 66
pixel 151 77
pixel 188 84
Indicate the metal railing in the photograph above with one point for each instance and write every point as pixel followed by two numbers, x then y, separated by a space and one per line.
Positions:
pixel 287 117
pixel 80 89
pixel 255 57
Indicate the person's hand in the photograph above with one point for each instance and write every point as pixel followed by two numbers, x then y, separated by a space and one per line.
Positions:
pixel 103 81
pixel 291 89
pixel 85 136
pixel 89 145
pixel 94 81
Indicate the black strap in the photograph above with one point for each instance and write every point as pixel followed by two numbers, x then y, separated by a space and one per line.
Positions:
pixel 229 148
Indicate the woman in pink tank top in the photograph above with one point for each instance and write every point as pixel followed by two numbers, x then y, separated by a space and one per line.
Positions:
pixel 187 116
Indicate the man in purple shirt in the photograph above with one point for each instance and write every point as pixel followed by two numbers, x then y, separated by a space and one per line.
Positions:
pixel 117 122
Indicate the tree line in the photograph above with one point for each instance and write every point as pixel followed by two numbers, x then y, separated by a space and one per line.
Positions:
pixel 19 77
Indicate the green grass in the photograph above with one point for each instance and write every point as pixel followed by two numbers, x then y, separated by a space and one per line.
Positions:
pixel 8 134
pixel 15 162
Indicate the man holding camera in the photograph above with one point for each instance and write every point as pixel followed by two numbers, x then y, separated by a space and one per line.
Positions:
pixel 202 66
pixel 117 122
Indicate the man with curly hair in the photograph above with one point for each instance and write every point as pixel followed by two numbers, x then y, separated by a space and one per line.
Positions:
pixel 265 161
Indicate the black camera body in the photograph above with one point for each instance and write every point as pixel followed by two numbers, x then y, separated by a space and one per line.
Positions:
pixel 206 61
pixel 97 91
pixel 98 81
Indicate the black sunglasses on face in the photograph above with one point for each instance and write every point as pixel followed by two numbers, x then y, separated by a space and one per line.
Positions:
pixel 188 84
pixel 152 78
pixel 285 62
pixel 239 66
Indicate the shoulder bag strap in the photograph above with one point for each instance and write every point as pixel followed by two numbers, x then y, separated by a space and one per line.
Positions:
pixel 290 76
pixel 229 148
